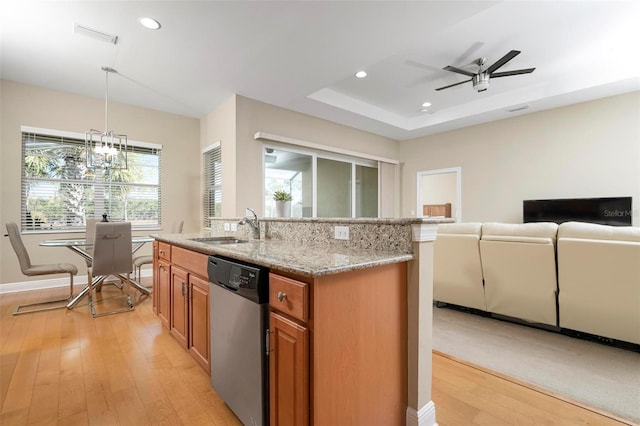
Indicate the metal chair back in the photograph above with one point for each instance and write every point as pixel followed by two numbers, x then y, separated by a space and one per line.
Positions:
pixel 29 270
pixel 112 248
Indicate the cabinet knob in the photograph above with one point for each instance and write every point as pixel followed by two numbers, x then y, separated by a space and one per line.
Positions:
pixel 281 296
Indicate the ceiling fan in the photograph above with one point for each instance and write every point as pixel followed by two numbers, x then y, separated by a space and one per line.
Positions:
pixel 481 78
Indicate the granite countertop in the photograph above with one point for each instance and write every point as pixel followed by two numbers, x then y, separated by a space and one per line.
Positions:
pixel 307 259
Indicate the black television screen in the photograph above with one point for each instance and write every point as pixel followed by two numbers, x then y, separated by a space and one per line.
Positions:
pixel 606 211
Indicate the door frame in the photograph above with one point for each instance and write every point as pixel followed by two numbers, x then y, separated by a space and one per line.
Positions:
pixel 422 174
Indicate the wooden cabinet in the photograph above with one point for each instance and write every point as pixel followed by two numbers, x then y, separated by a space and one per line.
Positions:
pixel 161 281
pixel 164 251
pixel 179 308
pixel 181 298
pixel 288 372
pixel 337 342
pixel 288 351
pixel 162 291
pixel 154 278
pixel 199 337
pixel 339 348
pixel 289 296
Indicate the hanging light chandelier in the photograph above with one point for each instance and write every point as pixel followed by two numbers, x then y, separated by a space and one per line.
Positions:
pixel 106 149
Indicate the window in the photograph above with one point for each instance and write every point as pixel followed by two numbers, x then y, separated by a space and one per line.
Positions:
pixel 321 184
pixel 290 172
pixel 59 192
pixel 212 175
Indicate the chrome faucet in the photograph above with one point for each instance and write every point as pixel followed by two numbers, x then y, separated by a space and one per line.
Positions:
pixel 253 222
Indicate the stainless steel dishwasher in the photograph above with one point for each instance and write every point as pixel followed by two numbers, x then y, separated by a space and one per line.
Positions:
pixel 239 296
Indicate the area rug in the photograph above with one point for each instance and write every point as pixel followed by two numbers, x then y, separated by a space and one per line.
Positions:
pixel 597 375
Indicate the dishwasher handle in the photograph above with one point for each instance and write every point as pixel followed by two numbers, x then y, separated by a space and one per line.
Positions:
pixel 228 287
pixel 266 340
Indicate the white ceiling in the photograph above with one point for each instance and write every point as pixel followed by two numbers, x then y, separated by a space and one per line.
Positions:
pixel 301 55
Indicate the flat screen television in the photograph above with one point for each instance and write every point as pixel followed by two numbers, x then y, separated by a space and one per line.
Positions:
pixel 606 211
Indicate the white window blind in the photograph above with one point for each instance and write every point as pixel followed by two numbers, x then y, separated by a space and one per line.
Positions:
pixel 59 192
pixel 212 175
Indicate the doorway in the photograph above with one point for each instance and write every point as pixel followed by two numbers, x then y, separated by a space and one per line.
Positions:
pixel 436 190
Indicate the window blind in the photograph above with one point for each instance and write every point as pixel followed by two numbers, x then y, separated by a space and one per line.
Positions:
pixel 59 192
pixel 212 175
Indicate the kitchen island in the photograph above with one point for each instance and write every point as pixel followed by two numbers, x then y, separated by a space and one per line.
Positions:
pixel 344 339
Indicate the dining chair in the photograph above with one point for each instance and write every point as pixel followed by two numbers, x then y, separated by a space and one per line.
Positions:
pixel 90 234
pixel 30 270
pixel 146 259
pixel 111 256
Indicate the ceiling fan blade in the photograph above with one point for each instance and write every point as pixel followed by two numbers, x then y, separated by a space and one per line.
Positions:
pixel 458 70
pixel 514 72
pixel 500 62
pixel 454 84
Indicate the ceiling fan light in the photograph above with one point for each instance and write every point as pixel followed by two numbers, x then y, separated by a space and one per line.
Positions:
pixel 361 74
pixel 481 82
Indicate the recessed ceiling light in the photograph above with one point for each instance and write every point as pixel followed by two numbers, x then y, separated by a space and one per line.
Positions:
pixel 149 23
pixel 361 74
pixel 426 104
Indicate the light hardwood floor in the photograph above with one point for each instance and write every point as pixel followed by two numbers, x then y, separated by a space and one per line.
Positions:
pixel 64 367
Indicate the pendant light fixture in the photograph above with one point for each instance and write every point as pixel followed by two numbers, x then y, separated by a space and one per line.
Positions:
pixel 106 149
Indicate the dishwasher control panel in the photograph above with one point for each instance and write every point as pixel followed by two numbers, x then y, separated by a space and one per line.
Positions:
pixel 243 277
pixel 247 280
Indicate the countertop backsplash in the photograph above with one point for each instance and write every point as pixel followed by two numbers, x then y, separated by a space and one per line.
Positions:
pixel 369 234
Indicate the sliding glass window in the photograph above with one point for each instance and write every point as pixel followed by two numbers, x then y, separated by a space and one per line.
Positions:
pixel 321 184
pixel 366 191
pixel 290 172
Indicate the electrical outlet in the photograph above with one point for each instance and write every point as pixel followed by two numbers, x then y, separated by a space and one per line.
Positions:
pixel 227 226
pixel 234 227
pixel 341 232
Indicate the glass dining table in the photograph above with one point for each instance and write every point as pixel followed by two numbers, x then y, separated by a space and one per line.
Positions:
pixel 83 248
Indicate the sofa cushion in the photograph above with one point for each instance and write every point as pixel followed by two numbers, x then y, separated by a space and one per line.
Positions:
pixel 470 228
pixel 599 280
pixel 457 273
pixel 535 230
pixel 519 269
pixel 594 231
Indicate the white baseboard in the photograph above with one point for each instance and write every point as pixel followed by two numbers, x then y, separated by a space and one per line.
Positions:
pixel 426 416
pixel 50 283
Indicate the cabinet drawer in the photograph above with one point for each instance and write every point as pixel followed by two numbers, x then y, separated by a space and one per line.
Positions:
pixel 190 260
pixel 289 296
pixel 164 251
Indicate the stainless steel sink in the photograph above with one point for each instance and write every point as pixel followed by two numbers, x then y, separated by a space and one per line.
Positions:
pixel 219 240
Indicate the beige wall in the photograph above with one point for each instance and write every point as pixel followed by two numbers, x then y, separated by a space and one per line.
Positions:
pixel 254 116
pixel 590 149
pixel 220 125
pixel 33 106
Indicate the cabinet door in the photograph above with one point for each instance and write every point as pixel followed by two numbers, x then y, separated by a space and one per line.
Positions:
pixel 162 291
pixel 288 372
pixel 179 291
pixel 199 321
pixel 154 294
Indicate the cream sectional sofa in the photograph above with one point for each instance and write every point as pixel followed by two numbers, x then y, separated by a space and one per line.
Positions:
pixel 519 269
pixel 457 268
pixel 574 276
pixel 599 279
